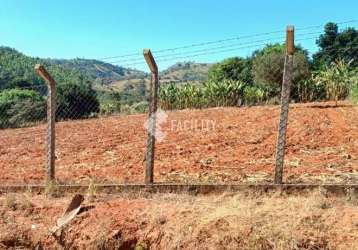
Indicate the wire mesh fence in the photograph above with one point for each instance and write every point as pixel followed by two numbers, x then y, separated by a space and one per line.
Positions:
pixel 207 131
pixel 87 140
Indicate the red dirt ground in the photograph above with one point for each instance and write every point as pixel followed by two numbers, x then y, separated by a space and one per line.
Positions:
pixel 239 146
pixel 308 220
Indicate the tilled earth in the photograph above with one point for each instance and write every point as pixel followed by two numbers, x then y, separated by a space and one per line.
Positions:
pixel 217 145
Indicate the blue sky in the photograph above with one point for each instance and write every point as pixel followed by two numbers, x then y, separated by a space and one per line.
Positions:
pixel 97 29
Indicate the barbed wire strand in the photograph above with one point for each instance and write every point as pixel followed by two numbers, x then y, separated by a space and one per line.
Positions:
pixel 206 53
pixel 212 48
pixel 223 40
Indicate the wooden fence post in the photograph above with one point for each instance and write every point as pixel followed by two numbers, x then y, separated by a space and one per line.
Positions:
pixel 285 101
pixel 150 153
pixel 51 119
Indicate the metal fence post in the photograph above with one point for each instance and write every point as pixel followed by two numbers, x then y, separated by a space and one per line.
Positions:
pixel 285 101
pixel 51 113
pixel 150 153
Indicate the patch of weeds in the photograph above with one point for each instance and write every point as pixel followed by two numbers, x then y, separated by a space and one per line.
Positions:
pixel 52 189
pixel 10 201
pixel 26 205
pixel 92 191
pixel 141 246
pixel 18 203
pixel 352 196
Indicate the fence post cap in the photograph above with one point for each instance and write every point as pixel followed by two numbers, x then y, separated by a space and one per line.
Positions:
pixel 42 72
pixel 150 61
pixel 290 28
pixel 290 43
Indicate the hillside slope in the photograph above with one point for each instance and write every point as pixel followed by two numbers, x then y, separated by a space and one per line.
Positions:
pixel 178 73
pixel 17 69
pixel 101 71
pixel 186 71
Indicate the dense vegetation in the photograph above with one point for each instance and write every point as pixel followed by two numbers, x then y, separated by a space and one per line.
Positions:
pixel 87 88
pixel 22 92
pixel 330 75
pixel 334 44
pixel 20 107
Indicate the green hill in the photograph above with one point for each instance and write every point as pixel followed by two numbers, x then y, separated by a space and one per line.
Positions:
pixel 17 69
pixel 100 71
pixel 186 71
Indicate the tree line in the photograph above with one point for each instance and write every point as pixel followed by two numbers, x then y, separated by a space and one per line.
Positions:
pixel 331 74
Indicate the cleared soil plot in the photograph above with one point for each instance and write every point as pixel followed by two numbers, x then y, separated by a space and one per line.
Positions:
pixel 236 146
pixel 308 220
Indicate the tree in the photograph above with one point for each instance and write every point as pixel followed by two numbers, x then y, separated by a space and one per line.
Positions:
pixel 234 69
pixel 20 107
pixel 336 45
pixel 76 101
pixel 268 65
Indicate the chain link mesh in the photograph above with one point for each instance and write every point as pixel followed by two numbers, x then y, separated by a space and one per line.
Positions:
pixel 282 130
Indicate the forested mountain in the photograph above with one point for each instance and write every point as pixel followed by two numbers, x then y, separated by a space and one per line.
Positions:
pixel 99 70
pixel 17 69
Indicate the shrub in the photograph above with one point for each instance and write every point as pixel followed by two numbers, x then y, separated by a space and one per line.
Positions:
pixel 110 102
pixel 235 69
pixel 209 94
pixel 76 101
pixel 168 96
pixel 254 95
pixel 140 107
pixel 268 66
pixel 224 93
pixel 189 96
pixel 20 107
pixel 308 91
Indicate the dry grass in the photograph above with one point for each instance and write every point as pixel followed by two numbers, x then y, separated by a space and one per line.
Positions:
pixel 92 191
pixel 243 222
pixel 52 189
pixel 17 202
